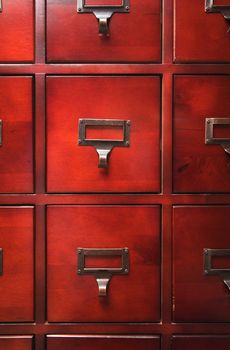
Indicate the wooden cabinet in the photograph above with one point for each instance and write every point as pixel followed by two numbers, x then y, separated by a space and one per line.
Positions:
pixel 16 342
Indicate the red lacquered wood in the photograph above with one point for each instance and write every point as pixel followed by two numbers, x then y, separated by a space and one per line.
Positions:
pixel 211 342
pixel 196 296
pixel 16 152
pixel 16 343
pixel 199 167
pixel 199 36
pixel 131 298
pixel 74 168
pixel 102 342
pixel 134 36
pixel 17 31
pixel 16 282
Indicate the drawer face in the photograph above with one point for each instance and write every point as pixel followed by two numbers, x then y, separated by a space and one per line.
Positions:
pixel 75 297
pixel 200 342
pixel 17 265
pixel 74 168
pixel 16 162
pixel 17 36
pixel 210 30
pixel 134 36
pixel 16 343
pixel 58 342
pixel 201 263
pixel 201 167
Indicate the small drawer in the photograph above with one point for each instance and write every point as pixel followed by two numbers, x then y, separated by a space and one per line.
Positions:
pixel 109 253
pixel 103 134
pixel 200 342
pixel 16 265
pixel 23 342
pixel 131 34
pixel 201 134
pixel 102 342
pixel 201 263
pixel 204 21
pixel 17 31
pixel 16 134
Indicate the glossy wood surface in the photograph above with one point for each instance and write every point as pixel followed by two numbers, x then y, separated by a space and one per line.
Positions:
pixel 199 167
pixel 134 297
pixel 122 342
pixel 198 297
pixel 17 31
pixel 74 168
pixel 16 282
pixel 16 343
pixel 211 342
pixel 200 36
pixel 134 36
pixel 16 151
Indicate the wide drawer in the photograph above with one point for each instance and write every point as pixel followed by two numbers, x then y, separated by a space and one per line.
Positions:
pixel 23 342
pixel 201 263
pixel 102 342
pixel 16 134
pixel 200 342
pixel 94 247
pixel 124 112
pixel 16 264
pixel 201 154
pixel 134 32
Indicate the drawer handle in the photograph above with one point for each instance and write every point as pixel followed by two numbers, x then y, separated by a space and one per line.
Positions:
pixel 210 271
pixel 103 275
pixel 103 147
pixel 102 13
pixel 223 9
pixel 210 139
pixel 1 261
pixel 0 5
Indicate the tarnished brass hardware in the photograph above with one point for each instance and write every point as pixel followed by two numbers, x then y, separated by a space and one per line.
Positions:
pixel 103 147
pixel 1 261
pixel 210 7
pixel 103 13
pixel 210 271
pixel 0 5
pixel 103 275
pixel 210 139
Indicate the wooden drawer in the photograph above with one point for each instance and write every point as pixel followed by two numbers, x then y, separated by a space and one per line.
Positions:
pixel 23 342
pixel 17 31
pixel 200 342
pixel 75 297
pixel 16 150
pixel 200 36
pixel 134 36
pixel 73 167
pixel 201 262
pixel 200 166
pixel 102 342
pixel 17 264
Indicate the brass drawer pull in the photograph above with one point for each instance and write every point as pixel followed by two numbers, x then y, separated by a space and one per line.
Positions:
pixel 210 139
pixel 102 13
pixel 210 271
pixel 0 5
pixel 103 274
pixel 103 147
pixel 223 9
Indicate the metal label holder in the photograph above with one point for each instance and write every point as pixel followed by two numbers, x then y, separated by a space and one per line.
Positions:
pixel 102 13
pixel 210 7
pixel 103 147
pixel 210 139
pixel 103 274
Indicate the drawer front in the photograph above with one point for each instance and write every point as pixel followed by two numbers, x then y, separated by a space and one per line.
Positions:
pixel 211 342
pixel 77 297
pixel 133 36
pixel 102 342
pixel 201 263
pixel 16 342
pixel 16 155
pixel 133 167
pixel 16 264
pixel 17 31
pixel 199 165
pixel 210 30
